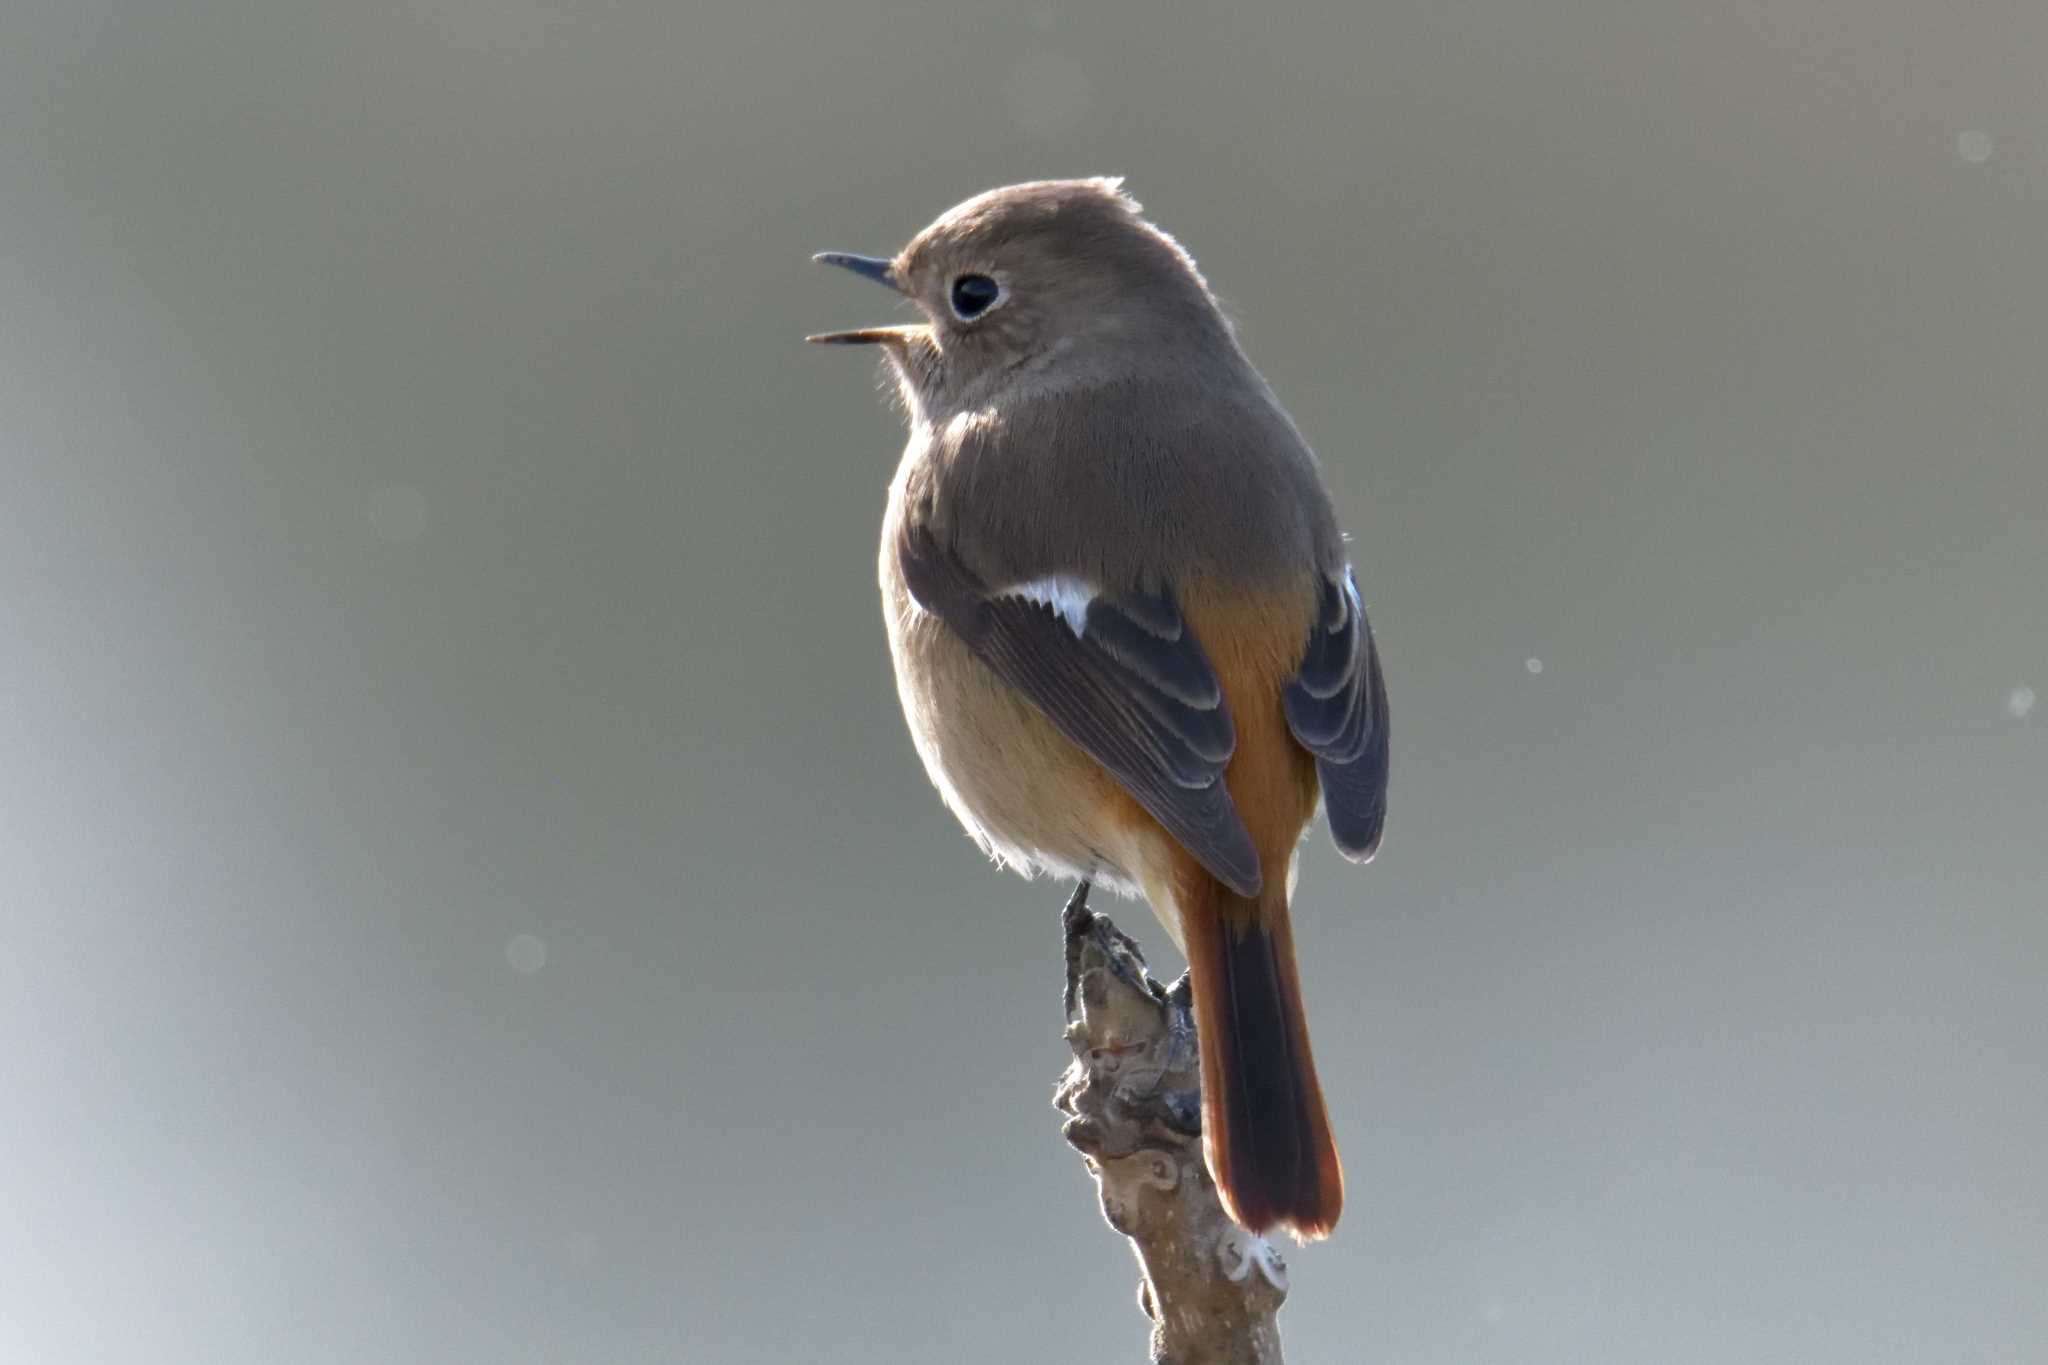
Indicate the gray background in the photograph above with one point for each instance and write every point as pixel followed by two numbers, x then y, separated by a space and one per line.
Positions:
pixel 466 893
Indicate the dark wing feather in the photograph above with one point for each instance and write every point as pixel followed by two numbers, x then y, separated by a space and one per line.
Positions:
pixel 1134 690
pixel 1337 707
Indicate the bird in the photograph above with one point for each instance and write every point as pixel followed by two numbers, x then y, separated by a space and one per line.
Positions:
pixel 1128 641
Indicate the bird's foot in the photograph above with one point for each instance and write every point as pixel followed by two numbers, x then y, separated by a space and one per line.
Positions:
pixel 1075 916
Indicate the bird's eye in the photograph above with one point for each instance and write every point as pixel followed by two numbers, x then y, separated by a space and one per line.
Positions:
pixel 974 295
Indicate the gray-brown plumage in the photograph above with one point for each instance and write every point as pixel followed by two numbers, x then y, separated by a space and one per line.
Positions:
pixel 1126 639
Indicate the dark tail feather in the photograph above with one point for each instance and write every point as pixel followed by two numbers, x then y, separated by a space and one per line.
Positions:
pixel 1265 1133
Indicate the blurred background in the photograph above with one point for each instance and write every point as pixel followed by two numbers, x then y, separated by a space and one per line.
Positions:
pixel 466 894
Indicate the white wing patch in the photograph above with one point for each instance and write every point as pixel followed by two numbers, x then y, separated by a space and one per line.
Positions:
pixel 1067 596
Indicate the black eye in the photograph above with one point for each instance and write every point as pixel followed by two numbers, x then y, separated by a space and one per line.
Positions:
pixel 972 295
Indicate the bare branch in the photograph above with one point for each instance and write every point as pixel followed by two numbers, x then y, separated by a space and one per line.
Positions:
pixel 1133 1094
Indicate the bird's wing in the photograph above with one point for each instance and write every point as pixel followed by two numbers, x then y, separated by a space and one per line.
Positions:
pixel 1119 674
pixel 1337 707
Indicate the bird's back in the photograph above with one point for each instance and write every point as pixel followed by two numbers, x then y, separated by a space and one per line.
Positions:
pixel 1151 479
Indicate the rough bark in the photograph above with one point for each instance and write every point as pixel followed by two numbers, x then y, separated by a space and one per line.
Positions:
pixel 1133 1097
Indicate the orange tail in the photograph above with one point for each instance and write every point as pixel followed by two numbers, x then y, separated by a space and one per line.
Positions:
pixel 1264 1129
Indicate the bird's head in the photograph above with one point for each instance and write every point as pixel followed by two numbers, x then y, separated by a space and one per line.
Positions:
pixel 1040 285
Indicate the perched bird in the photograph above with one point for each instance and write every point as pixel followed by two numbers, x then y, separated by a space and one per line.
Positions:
pixel 1127 642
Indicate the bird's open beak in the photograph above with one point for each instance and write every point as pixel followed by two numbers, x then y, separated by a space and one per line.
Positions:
pixel 869 336
pixel 872 268
pixel 868 267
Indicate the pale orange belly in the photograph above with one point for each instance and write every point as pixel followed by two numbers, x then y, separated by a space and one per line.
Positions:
pixel 1024 791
